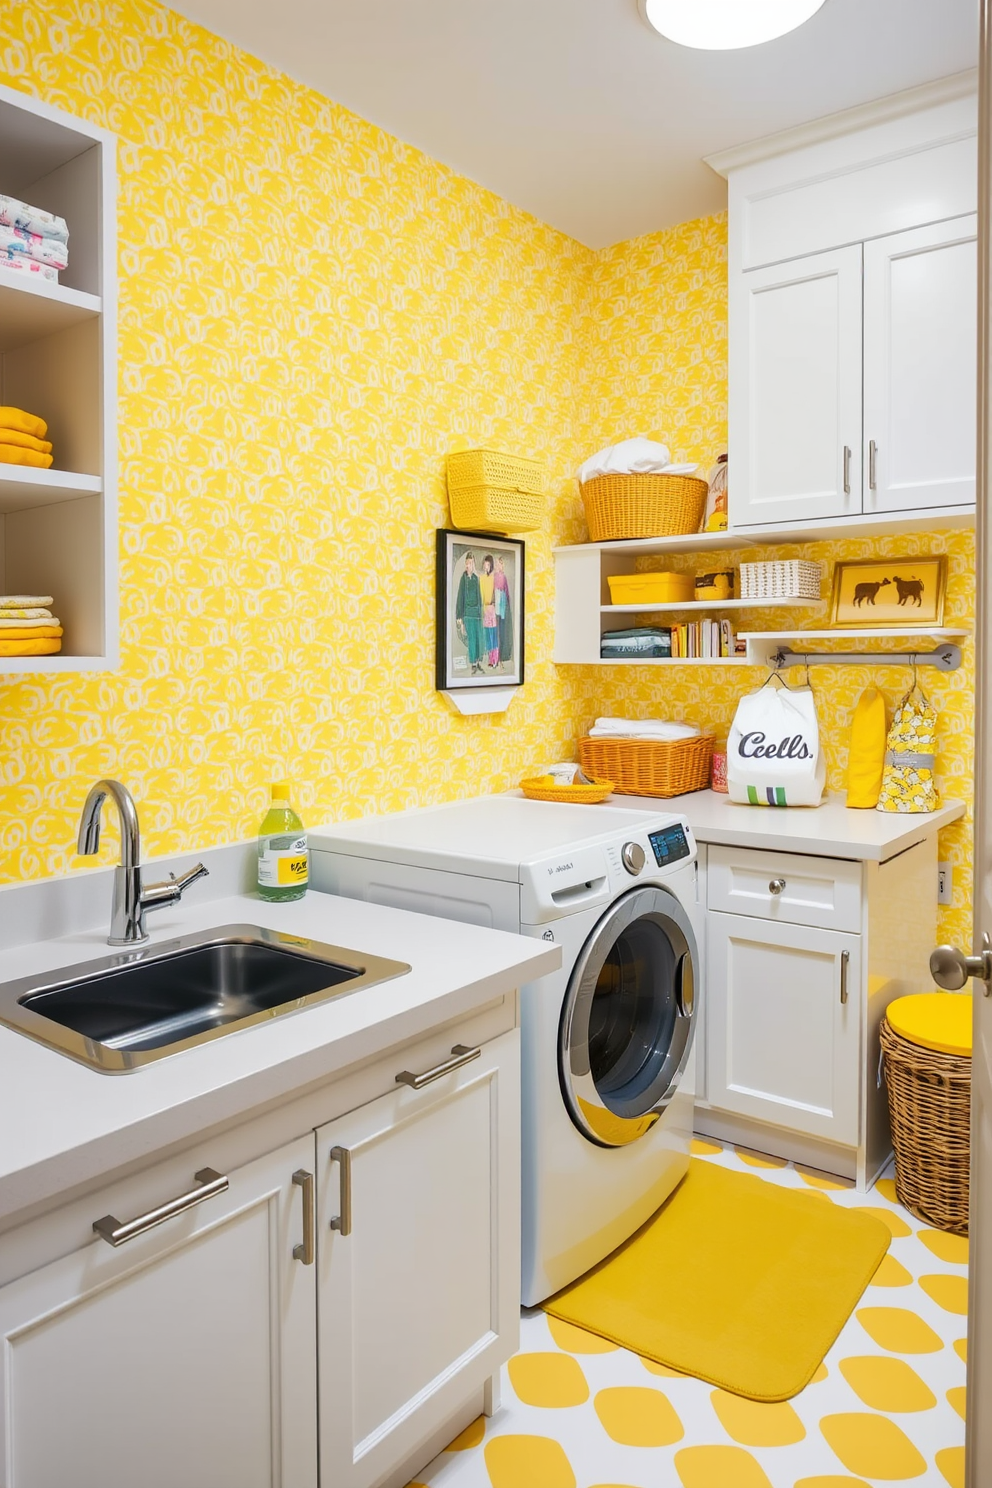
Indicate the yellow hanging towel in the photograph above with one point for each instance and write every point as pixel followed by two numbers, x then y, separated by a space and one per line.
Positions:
pixel 908 783
pixel 866 755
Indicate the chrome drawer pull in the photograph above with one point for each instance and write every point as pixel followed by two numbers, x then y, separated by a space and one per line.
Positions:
pixel 305 1252
pixel 110 1229
pixel 845 961
pixel 462 1055
pixel 777 886
pixel 342 1222
pixel 847 470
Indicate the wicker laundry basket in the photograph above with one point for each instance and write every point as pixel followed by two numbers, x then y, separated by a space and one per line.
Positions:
pixel 649 767
pixel 930 1115
pixel 627 506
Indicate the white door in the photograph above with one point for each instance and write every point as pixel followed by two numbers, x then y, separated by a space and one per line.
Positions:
pixel 184 1356
pixel 783 1024
pixel 419 1259
pixel 795 390
pixel 920 338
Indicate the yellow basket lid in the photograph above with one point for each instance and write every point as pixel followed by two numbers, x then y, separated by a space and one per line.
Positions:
pixel 934 1020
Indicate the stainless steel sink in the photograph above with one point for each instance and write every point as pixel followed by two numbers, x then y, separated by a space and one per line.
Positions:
pixel 122 1011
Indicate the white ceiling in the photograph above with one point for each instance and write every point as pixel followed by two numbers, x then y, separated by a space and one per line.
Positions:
pixel 574 109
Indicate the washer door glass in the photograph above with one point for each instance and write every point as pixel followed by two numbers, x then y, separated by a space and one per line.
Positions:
pixel 628 1018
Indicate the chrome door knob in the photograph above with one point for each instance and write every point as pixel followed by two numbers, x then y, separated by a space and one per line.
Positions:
pixel 952 969
pixel 777 886
pixel 632 857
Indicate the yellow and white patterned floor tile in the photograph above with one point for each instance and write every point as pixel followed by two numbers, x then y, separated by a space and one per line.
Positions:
pixel 887 1405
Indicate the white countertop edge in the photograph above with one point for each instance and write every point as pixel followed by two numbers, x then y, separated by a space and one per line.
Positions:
pixel 64 1125
pixel 832 830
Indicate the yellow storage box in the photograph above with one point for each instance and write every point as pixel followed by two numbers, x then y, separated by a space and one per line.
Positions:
pixel 489 491
pixel 652 588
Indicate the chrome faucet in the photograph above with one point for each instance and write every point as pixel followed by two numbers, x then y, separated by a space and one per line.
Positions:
pixel 131 901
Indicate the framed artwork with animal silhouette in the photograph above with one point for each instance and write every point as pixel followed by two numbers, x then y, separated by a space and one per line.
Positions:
pixel 907 592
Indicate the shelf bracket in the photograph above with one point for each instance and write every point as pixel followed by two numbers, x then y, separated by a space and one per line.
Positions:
pixel 945 658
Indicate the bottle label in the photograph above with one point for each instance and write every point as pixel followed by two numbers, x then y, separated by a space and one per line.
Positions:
pixel 284 865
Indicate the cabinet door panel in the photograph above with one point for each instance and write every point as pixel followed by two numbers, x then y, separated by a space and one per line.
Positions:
pixel 795 390
pixel 419 1303
pixel 920 360
pixel 782 1045
pixel 185 1356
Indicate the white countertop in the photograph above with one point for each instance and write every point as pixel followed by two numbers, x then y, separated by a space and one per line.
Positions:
pixel 828 831
pixel 62 1124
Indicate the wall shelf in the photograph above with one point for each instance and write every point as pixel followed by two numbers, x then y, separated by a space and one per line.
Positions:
pixel 58 359
pixel 704 606
pixel 22 486
pixel 33 307
pixel 668 661
pixel 869 633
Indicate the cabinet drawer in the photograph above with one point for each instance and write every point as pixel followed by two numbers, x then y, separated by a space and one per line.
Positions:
pixel 784 887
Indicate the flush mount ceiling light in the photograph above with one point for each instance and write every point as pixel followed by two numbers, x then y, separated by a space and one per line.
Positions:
pixel 723 25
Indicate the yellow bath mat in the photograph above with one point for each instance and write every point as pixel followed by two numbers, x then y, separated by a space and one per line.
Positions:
pixel 740 1282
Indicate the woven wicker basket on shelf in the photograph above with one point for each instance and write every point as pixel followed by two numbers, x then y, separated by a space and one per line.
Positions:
pixel 628 506
pixel 489 491
pixel 649 767
pixel 929 1113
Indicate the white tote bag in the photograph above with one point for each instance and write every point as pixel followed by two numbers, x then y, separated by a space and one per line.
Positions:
pixel 774 756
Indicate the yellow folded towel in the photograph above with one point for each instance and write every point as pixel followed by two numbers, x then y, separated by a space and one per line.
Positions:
pixel 12 454
pixel 24 631
pixel 29 648
pixel 18 601
pixel 25 441
pixel 25 423
pixel 34 613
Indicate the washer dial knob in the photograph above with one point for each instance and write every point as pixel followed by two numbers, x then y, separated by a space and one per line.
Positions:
pixel 632 857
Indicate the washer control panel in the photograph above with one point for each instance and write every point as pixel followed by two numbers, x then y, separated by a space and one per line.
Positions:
pixel 669 845
pixel 632 856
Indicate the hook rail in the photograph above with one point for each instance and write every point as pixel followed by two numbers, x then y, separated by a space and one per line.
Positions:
pixel 946 658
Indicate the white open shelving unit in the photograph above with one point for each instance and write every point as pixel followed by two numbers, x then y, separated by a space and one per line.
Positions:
pixel 58 359
pixel 582 594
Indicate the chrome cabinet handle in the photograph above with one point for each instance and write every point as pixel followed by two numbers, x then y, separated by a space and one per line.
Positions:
pixel 777 886
pixel 461 1053
pixel 210 1183
pixel 342 1222
pixel 872 464
pixel 845 961
pixel 847 470
pixel 305 1251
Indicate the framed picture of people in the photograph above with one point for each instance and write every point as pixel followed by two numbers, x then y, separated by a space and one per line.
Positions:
pixel 480 610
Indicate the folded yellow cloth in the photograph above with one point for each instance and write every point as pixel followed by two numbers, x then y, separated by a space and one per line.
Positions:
pixel 12 454
pixel 29 648
pixel 25 423
pixel 31 632
pixel 25 441
pixel 33 613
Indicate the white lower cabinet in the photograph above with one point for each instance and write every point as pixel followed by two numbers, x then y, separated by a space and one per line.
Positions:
pixel 784 1024
pixel 187 1355
pixel 418 1260
pixel 183 1356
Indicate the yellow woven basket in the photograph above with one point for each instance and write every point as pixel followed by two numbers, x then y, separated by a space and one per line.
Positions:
pixel 582 795
pixel 650 767
pixel 628 506
pixel 489 491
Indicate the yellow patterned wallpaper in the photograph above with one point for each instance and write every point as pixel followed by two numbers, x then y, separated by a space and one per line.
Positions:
pixel 311 312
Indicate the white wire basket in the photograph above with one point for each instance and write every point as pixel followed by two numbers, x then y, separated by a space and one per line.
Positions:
pixel 790 578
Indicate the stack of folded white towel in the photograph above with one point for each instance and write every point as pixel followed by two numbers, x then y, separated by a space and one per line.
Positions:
pixel 32 241
pixel 642 728
pixel 633 457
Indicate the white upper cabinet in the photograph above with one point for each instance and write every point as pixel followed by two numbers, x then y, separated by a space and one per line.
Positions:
pixel 852 313
pixel 920 367
pixel 795 421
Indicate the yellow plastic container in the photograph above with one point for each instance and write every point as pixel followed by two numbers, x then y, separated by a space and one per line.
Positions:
pixel 652 588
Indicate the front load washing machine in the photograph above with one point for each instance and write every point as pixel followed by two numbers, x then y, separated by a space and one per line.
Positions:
pixel 607 1041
